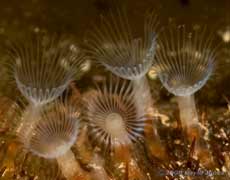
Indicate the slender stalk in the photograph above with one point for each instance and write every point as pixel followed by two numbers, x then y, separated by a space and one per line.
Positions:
pixel 143 96
pixel 144 104
pixel 188 113
pixel 189 117
pixel 143 99
pixel 190 123
pixel 69 165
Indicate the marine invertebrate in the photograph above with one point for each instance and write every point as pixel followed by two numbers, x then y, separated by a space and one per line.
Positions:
pixel 111 115
pixel 114 45
pixel 43 67
pixel 184 62
pixel 51 134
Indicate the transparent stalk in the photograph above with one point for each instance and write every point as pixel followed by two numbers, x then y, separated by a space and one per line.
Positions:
pixel 143 100
pixel 188 113
pixel 144 104
pixel 190 123
pixel 143 96
pixel 69 165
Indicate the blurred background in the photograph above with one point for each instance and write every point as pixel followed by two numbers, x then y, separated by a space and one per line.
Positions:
pixel 76 17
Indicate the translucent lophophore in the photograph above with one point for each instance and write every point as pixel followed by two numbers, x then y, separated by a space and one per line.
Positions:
pixel 185 61
pixel 114 45
pixel 113 120
pixel 111 115
pixel 51 132
pixel 43 66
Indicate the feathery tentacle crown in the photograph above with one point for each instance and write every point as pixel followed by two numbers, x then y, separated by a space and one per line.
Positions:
pixel 185 60
pixel 112 117
pixel 54 132
pixel 114 46
pixel 43 67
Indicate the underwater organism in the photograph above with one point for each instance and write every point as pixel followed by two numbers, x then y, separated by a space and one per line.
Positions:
pixel 111 115
pixel 114 45
pixel 184 62
pixel 51 133
pixel 43 67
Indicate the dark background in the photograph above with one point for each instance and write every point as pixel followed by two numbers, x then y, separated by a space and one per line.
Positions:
pixel 74 16
pixel 77 16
